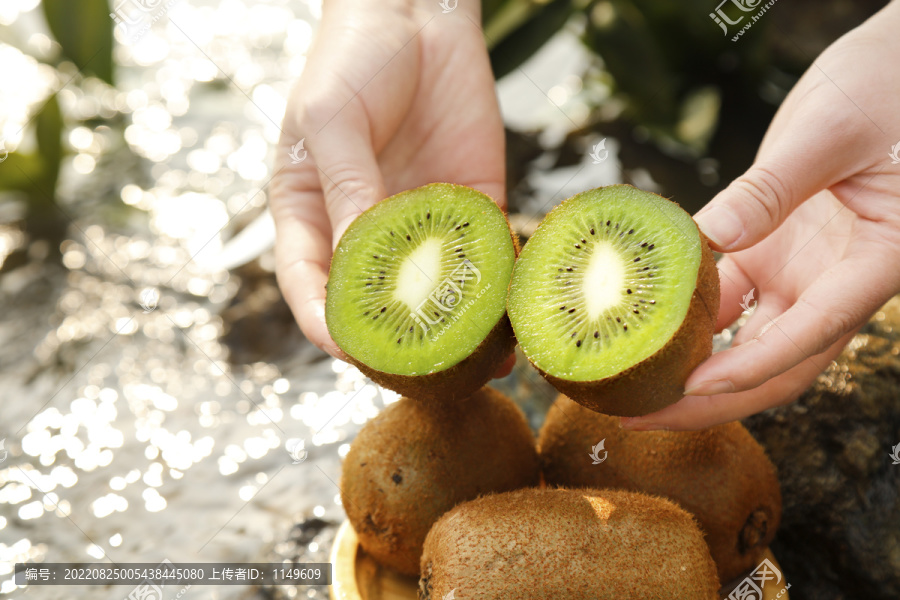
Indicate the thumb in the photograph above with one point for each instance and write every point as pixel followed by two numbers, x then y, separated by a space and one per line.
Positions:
pixel 796 162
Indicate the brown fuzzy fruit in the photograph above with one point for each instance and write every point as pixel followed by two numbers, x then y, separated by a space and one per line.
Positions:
pixel 614 299
pixel 417 291
pixel 536 544
pixel 417 460
pixel 720 475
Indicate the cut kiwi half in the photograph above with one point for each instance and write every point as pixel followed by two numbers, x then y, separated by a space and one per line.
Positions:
pixel 416 295
pixel 614 299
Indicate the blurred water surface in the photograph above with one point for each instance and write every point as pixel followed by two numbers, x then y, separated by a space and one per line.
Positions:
pixel 136 429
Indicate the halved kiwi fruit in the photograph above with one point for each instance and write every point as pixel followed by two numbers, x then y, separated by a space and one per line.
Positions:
pixel 614 299
pixel 417 291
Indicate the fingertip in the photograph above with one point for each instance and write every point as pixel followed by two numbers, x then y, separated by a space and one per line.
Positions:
pixel 506 368
pixel 721 225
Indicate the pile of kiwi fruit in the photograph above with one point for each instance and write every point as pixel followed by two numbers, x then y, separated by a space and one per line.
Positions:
pixel 614 301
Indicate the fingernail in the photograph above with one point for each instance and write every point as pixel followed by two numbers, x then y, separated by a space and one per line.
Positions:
pixel 720 224
pixel 710 388
pixel 636 424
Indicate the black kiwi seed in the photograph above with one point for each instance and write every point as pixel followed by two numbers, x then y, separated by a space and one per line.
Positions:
pixel 607 223
pixel 578 245
pixel 592 231
pixel 596 334
pixel 408 238
pixel 637 259
pixel 571 310
pixel 628 290
pixel 578 344
pixel 427 215
pixel 625 326
pixel 644 245
pixel 466 224
pixel 618 320
pixel 562 308
pixel 651 247
pixel 630 231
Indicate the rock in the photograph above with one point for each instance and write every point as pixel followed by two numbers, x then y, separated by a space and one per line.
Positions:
pixel 840 533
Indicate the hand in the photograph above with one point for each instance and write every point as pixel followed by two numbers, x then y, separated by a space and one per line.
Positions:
pixel 813 226
pixel 394 95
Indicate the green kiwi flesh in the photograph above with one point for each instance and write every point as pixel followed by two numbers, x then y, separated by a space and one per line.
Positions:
pixel 417 288
pixel 614 299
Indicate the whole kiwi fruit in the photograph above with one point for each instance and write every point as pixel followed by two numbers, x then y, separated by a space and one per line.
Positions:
pixel 720 475
pixel 558 543
pixel 417 460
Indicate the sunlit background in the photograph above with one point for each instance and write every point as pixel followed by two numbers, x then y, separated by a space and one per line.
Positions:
pixel 156 399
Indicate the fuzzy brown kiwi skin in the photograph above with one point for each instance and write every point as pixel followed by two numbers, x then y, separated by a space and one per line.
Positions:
pixel 658 380
pixel 720 475
pixel 535 544
pixel 465 377
pixel 417 460
pixel 459 381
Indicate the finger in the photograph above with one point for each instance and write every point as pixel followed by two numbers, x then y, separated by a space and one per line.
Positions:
pixel 699 412
pixel 797 160
pixel 735 286
pixel 302 250
pixel 826 311
pixel 349 174
pixel 769 306
pixel 506 368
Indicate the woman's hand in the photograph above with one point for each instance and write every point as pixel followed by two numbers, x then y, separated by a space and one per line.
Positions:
pixel 395 94
pixel 813 227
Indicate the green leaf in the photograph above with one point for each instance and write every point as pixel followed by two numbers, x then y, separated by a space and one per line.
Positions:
pixel 84 29
pixel 517 45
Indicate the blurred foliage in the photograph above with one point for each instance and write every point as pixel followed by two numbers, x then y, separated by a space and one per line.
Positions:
pixel 687 104
pixel 84 31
